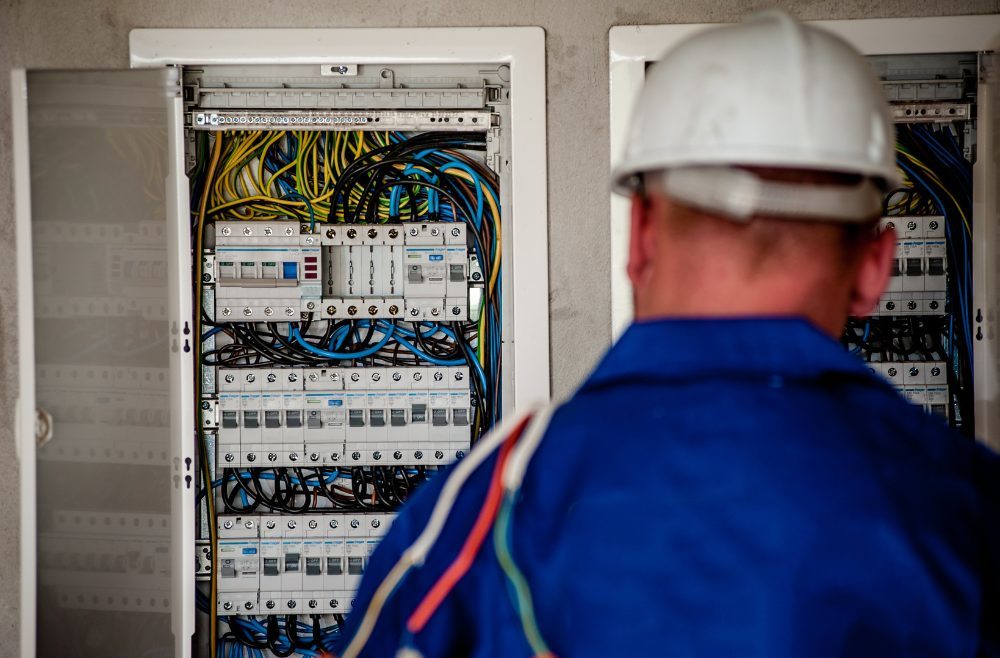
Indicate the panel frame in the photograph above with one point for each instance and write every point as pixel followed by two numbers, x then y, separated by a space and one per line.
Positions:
pixel 632 47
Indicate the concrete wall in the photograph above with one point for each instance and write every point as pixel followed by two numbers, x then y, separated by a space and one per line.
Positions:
pixel 53 34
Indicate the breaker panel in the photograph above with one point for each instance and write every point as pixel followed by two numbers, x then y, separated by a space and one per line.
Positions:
pixel 346 236
pixel 920 337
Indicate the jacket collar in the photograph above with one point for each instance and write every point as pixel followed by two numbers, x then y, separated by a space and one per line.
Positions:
pixel 732 347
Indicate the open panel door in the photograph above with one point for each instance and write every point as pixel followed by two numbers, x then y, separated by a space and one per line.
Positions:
pixel 105 462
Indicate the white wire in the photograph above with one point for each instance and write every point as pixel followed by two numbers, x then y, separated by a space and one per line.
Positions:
pixel 417 552
pixel 520 456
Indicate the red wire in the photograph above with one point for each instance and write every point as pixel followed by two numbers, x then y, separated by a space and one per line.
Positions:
pixel 463 562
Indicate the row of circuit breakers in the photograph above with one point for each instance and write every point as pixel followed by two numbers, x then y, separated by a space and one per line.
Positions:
pixel 270 271
pixel 306 564
pixel 922 383
pixel 281 417
pixel 919 281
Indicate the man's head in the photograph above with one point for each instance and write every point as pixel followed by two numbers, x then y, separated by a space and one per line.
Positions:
pixel 688 262
pixel 756 161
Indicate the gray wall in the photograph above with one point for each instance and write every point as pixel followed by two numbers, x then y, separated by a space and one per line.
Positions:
pixel 53 34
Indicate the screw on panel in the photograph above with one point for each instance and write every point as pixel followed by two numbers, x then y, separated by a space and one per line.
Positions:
pixel 291 525
pixel 459 375
pixel 330 233
pixel 891 372
pixel 438 454
pixel 355 456
pixel 417 376
pixel 247 311
pixel 292 377
pixel 293 456
pixel 376 377
pixel 268 230
pixel 248 525
pixel 911 226
pixel 355 377
pixel 455 232
pixel 333 523
pixel 455 310
pixel 272 457
pixel 914 372
pixel 229 457
pixel 414 312
pixel 376 455
pixel 438 376
pixel 351 233
pixel 372 233
pixel 393 233
pixel 397 455
pixel 268 311
pixel 206 406
pixel 355 523
pixel 435 232
pixel 352 310
pixel 933 225
pixel 229 380
pixel 935 371
pixel 270 525
pixel 271 377
pixel 372 310
pixel 228 605
pixel 227 311
pixel 418 455
pixel 314 456
pixel 269 605
pixel 227 524
pixel 247 231
pixel 376 523
pixel 226 230
pixel 414 231
pixel 251 378
pixel 251 457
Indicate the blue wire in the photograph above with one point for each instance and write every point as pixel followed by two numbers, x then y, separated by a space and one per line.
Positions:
pixel 309 347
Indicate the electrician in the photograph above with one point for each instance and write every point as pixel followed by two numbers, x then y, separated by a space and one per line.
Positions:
pixel 729 481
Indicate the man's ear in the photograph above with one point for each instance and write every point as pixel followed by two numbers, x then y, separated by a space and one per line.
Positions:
pixel 641 242
pixel 872 274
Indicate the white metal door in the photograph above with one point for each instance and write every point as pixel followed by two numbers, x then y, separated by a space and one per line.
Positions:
pixel 102 348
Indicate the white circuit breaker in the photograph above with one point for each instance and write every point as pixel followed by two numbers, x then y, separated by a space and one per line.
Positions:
pixel 918 283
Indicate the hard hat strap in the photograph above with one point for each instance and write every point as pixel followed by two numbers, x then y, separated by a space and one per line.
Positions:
pixel 739 194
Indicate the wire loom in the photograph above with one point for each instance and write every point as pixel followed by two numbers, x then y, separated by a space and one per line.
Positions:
pixel 341 177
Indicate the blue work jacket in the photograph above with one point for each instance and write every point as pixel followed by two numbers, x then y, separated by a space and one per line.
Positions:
pixel 721 488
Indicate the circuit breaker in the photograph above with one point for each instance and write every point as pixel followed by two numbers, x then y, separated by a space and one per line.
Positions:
pixel 276 286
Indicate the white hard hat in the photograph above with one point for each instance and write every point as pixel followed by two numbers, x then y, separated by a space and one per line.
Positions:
pixel 770 93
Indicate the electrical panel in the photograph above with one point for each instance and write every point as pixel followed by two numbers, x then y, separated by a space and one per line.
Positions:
pixel 921 335
pixel 271 286
pixel 348 261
